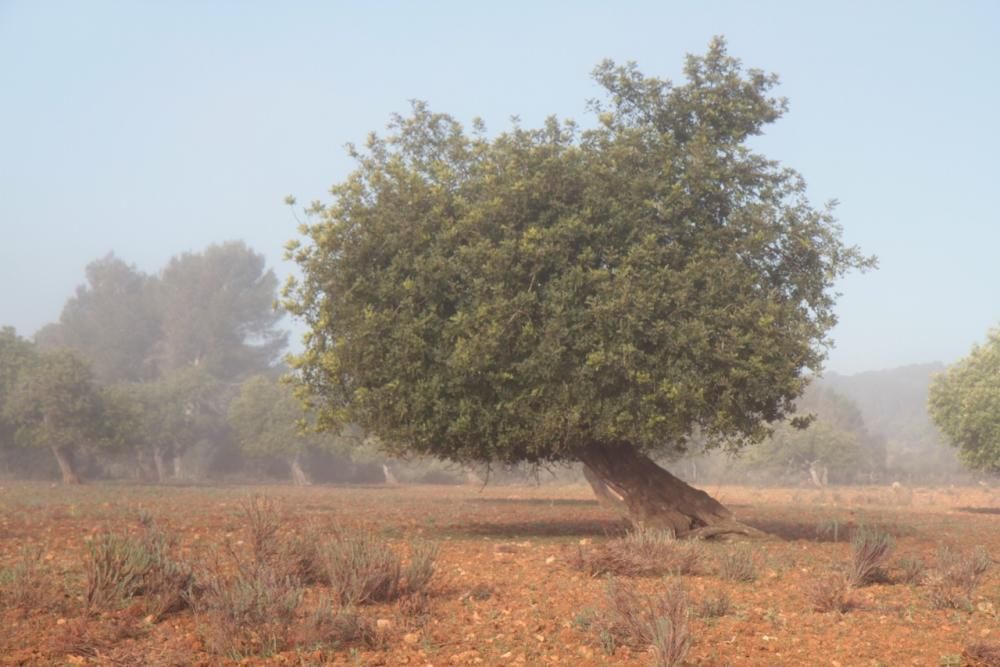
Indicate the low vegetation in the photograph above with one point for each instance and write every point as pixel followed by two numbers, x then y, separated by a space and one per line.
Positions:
pixel 274 577
pixel 659 621
pixel 642 552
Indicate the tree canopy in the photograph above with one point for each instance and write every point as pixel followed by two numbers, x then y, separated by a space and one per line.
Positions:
pixel 526 296
pixel 111 321
pixel 965 404
pixel 55 403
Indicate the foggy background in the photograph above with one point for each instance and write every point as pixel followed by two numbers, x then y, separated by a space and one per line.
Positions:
pixel 153 130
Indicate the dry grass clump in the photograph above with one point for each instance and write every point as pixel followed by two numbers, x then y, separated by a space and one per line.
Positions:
pixel 362 567
pixel 120 566
pixel 982 654
pixel 871 548
pixel 738 565
pixel 955 577
pixel 327 625
pixel 301 557
pixel 642 552
pixel 911 570
pixel 250 612
pixel 715 605
pixel 254 606
pixel 260 515
pixel 25 585
pixel 659 622
pixel 830 593
pixel 89 637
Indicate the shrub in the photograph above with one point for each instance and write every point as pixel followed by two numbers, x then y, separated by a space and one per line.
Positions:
pixel 301 557
pixel 328 626
pixel 871 548
pixel 830 593
pixel 716 605
pixel 120 567
pixel 116 567
pixel 955 577
pixel 361 567
pixel 982 654
pixel 642 552
pixel 656 621
pixel 738 565
pixel 248 613
pixel 262 523
pixel 24 585
pixel 911 570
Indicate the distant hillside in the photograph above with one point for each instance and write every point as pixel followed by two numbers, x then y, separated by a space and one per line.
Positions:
pixel 893 402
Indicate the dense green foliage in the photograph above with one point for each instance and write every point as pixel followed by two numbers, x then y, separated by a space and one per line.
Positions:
pixel 965 404
pixel 56 403
pixel 269 420
pixel 517 297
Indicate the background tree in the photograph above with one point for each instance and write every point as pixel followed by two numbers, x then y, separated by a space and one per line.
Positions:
pixel 111 322
pixel 268 421
pixel 217 312
pixel 55 403
pixel 557 294
pixel 965 404
pixel 836 442
pixel 173 414
pixel 15 354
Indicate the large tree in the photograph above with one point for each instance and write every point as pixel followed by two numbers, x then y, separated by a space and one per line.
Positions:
pixel 217 311
pixel 562 294
pixel 55 403
pixel 965 405
pixel 111 321
pixel 269 421
pixel 170 415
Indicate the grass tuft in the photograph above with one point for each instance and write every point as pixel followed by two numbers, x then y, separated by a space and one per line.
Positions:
pixel 738 565
pixel 871 548
pixel 830 593
pixel 659 622
pixel 642 552
pixel 956 576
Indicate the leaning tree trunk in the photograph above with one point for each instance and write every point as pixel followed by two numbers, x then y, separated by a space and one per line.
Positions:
pixel 605 495
pixel 299 476
pixel 653 498
pixel 64 457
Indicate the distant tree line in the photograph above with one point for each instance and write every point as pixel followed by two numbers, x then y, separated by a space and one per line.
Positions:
pixel 176 376
pixel 169 376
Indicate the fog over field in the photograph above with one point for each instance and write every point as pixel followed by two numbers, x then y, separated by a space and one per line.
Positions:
pixel 645 333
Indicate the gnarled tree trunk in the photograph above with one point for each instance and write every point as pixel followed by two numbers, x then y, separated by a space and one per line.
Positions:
pixel 299 476
pixel 605 495
pixel 652 497
pixel 64 457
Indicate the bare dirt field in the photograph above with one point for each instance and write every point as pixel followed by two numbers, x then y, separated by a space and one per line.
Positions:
pixel 511 583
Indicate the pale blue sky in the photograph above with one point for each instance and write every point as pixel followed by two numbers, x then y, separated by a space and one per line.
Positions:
pixel 151 128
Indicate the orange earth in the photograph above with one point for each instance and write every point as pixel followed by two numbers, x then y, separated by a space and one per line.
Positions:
pixel 505 590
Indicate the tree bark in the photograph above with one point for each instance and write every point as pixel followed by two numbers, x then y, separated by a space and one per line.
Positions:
pixel 299 476
pixel 605 496
pixel 178 466
pixel 64 457
pixel 653 498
